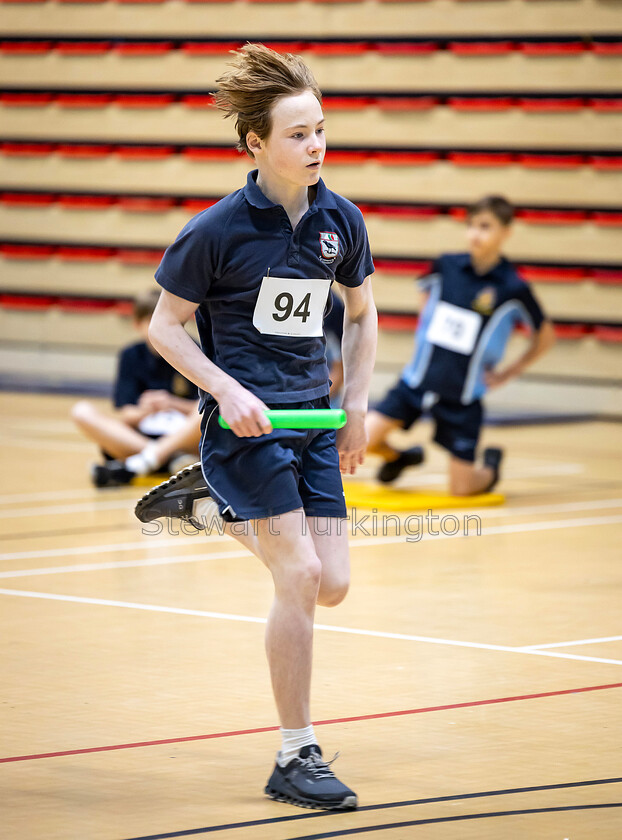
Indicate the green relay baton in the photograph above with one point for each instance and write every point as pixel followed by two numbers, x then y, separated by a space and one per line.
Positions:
pixel 302 418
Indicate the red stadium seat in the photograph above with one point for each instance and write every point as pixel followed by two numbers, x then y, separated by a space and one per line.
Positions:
pixel 144 152
pixel 210 153
pixel 143 100
pixel 27 199
pixel 139 256
pixel 406 103
pixel 82 47
pixel 405 158
pixel 347 156
pixel 404 211
pixel 607 162
pixel 481 103
pixel 197 205
pixel 406 47
pixel 552 274
pixel 606 104
pixel 552 217
pixel 27 149
pixel 606 276
pixel 86 202
pixel 338 47
pixel 403 267
pixel 481 158
pixel 26 47
pixel 551 103
pixel 551 161
pixel 197 100
pixel 610 335
pixel 83 100
pixel 83 150
pixel 551 48
pixel 36 302
pixel 209 47
pixel 398 323
pixel 346 103
pixel 140 204
pixel 572 332
pixel 75 253
pixel 131 48
pixel 481 47
pixel 607 218
pixel 607 47
pixel 27 252
pixel 26 100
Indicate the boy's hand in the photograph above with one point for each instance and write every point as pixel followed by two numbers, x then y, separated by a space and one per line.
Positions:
pixel 244 412
pixel 495 378
pixel 352 443
pixel 154 400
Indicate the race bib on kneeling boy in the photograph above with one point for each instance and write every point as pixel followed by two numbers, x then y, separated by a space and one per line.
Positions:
pixel 287 306
pixel 454 328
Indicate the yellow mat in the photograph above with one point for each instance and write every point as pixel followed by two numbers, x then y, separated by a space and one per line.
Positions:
pixel 149 480
pixel 386 498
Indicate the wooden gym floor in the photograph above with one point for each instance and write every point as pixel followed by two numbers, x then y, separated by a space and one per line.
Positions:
pixel 472 685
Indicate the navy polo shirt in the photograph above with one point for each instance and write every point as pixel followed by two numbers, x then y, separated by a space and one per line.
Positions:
pixel 219 260
pixel 500 298
pixel 141 369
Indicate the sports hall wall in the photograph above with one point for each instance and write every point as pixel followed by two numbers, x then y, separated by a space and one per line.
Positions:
pixel 109 144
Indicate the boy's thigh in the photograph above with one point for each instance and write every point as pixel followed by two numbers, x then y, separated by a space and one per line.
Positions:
pixel 458 427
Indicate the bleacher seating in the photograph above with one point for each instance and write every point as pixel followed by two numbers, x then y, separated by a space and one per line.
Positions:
pixel 109 143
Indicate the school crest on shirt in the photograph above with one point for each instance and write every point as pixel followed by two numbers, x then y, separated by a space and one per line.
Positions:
pixel 329 246
pixel 485 301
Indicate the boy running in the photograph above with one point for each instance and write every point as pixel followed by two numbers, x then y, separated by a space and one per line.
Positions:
pixel 256 270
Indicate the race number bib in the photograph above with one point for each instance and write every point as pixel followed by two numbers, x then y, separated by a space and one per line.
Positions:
pixel 454 328
pixel 291 307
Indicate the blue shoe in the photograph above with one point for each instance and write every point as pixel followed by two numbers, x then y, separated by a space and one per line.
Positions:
pixel 391 470
pixel 309 782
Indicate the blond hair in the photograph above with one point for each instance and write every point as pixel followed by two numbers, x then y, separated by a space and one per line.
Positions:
pixel 258 78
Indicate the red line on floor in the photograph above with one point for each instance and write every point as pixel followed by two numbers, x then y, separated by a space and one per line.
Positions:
pixel 377 716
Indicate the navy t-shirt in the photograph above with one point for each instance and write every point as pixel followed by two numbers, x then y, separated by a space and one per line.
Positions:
pixel 479 312
pixel 139 370
pixel 219 261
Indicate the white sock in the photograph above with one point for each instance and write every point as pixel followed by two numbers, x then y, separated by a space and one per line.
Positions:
pixel 206 511
pixel 144 461
pixel 293 741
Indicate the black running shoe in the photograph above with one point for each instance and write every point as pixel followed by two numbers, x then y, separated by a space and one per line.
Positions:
pixel 111 474
pixel 492 459
pixel 175 497
pixel 392 469
pixel 309 782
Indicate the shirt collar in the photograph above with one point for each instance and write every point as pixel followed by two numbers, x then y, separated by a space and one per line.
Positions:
pixel 323 198
pixel 496 274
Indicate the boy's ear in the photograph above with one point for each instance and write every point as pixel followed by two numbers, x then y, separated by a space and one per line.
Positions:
pixel 254 143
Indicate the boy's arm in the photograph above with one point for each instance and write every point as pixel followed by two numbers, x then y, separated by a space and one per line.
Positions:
pixel 541 342
pixel 360 330
pixel 240 408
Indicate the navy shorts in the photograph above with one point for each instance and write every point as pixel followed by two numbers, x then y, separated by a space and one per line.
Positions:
pixel 457 425
pixel 259 477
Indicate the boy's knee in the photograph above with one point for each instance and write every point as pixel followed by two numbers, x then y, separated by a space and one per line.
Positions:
pixel 333 592
pixel 81 411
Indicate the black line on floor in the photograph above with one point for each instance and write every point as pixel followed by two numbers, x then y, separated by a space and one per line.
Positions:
pixel 457 818
pixel 382 806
